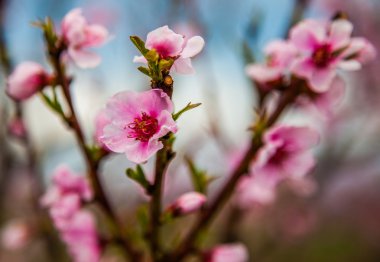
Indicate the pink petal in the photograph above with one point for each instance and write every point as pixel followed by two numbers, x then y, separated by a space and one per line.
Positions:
pixel 139 59
pixel 142 151
pixel 263 74
pixel 84 59
pixel 183 66
pixel 308 34
pixel 299 165
pixel 340 33
pixel 229 253
pixel 350 65
pixel 165 42
pixel 188 203
pixel 321 80
pixel 193 46
pixel 166 124
pixel 96 35
pixel 303 67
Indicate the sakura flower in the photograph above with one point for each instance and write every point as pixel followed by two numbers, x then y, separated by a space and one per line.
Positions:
pixel 26 80
pixel 137 122
pixel 286 153
pixel 279 55
pixel 188 203
pixel 323 49
pixel 228 253
pixel 169 44
pixel 79 35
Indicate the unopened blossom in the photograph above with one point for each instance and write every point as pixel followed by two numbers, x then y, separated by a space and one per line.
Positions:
pixel 286 153
pixel 324 47
pixel 26 80
pixel 137 122
pixel 279 56
pixel 79 36
pixel 169 44
pixel 228 253
pixel 188 203
pixel 15 235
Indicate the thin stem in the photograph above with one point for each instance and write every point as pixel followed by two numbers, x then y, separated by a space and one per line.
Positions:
pixel 207 216
pixel 92 165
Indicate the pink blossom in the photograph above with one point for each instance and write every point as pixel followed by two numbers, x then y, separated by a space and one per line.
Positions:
pixel 101 120
pixel 79 35
pixel 228 253
pixel 137 122
pixel 286 153
pixel 323 48
pixel 169 44
pixel 188 203
pixel 15 235
pixel 26 80
pixel 279 56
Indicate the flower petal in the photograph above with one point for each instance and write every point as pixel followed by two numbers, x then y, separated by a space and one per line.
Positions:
pixel 340 33
pixel 84 59
pixel 183 66
pixel 193 46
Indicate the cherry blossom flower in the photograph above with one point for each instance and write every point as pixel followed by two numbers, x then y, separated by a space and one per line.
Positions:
pixel 324 47
pixel 228 253
pixel 280 55
pixel 137 122
pixel 78 35
pixel 26 80
pixel 169 44
pixel 286 153
pixel 188 203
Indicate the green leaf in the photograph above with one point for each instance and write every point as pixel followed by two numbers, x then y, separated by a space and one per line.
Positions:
pixel 186 108
pixel 139 44
pixel 138 176
pixel 199 177
pixel 144 70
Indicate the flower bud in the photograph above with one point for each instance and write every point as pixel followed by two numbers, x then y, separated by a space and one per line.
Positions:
pixel 26 80
pixel 228 253
pixel 187 203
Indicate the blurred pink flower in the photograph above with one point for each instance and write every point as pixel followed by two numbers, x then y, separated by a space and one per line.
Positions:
pixel 15 235
pixel 79 35
pixel 228 253
pixel 137 122
pixel 286 153
pixel 255 190
pixel 76 226
pixel 188 203
pixel 26 80
pixel 101 120
pixel 167 43
pixel 279 55
pixel 323 48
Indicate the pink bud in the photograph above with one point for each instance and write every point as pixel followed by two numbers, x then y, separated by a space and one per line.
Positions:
pixel 228 253
pixel 26 80
pixel 188 203
pixel 17 128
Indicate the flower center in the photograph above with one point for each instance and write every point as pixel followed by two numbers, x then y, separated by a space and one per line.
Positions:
pixel 322 56
pixel 143 128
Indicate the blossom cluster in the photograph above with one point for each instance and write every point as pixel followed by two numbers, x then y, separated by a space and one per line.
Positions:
pixel 77 226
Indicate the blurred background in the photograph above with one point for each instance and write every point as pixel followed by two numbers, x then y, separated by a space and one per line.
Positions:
pixel 336 218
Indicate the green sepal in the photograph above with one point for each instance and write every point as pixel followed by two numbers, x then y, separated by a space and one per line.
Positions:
pixel 144 70
pixel 138 176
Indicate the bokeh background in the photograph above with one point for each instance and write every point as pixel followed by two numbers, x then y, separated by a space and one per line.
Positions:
pixel 339 220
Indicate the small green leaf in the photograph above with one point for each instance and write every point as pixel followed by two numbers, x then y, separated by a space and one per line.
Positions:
pixel 144 70
pixel 139 44
pixel 138 176
pixel 186 108
pixel 199 177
